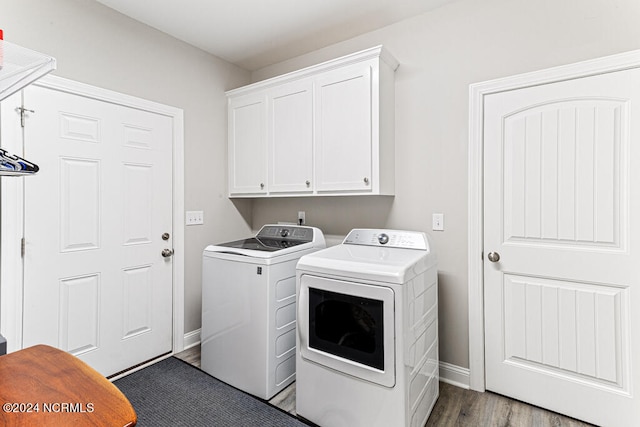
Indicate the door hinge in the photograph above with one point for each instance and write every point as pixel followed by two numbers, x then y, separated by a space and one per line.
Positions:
pixel 22 247
pixel 22 112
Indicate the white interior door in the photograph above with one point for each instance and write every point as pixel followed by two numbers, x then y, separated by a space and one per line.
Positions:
pixel 95 282
pixel 562 211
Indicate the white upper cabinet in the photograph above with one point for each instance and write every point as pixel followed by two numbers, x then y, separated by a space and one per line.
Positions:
pixel 323 130
pixel 344 143
pixel 290 137
pixel 248 152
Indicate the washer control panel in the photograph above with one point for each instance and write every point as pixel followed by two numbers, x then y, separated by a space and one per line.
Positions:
pixel 387 238
pixel 286 232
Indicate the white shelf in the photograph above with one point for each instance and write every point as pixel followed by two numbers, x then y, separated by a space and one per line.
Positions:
pixel 20 67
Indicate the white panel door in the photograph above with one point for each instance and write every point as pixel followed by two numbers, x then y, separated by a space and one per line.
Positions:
pixel 95 282
pixel 562 211
pixel 343 113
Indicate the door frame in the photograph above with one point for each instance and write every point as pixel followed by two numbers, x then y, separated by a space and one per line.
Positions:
pixel 477 92
pixel 12 223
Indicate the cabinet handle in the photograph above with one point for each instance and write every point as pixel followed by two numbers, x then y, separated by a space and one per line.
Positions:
pixel 366 180
pixel 308 183
pixel 262 186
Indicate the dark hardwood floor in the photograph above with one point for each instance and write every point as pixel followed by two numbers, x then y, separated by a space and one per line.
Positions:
pixel 455 406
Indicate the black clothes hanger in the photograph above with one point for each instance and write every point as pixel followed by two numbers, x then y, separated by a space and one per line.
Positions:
pixel 12 165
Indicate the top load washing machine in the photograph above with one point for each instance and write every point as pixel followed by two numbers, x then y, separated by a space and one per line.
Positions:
pixel 249 307
pixel 367 349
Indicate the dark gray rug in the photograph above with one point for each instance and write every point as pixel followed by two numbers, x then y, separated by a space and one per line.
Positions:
pixel 174 393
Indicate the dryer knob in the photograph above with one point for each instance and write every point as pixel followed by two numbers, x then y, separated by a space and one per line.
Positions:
pixel 383 239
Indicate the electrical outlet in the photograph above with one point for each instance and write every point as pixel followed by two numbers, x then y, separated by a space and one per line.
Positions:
pixel 194 218
pixel 437 222
pixel 301 217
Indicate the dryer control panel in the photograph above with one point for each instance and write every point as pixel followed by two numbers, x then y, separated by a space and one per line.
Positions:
pixel 388 238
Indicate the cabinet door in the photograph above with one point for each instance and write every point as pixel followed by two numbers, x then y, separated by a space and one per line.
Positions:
pixel 247 145
pixel 291 138
pixel 343 111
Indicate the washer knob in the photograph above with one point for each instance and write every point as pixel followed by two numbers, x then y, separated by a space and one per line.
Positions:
pixel 284 232
pixel 383 239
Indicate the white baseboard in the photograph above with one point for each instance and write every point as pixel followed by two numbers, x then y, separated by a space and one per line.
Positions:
pixel 191 339
pixel 454 375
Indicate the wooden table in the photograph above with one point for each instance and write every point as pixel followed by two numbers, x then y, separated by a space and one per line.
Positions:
pixel 44 386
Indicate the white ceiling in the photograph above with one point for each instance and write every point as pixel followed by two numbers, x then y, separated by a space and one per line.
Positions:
pixel 257 33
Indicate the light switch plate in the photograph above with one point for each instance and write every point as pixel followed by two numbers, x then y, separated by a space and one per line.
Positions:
pixel 438 222
pixel 194 218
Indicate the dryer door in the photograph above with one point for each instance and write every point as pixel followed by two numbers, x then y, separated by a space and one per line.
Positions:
pixel 348 327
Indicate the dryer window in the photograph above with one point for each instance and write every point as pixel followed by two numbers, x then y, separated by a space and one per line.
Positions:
pixel 347 326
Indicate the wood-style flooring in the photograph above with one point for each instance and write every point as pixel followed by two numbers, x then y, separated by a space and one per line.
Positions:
pixel 455 406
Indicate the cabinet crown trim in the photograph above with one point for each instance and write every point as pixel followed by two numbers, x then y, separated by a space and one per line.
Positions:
pixel 377 52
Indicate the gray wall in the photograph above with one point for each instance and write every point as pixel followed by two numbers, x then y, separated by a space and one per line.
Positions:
pixel 440 54
pixel 96 45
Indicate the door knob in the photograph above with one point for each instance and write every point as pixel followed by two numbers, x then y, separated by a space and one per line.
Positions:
pixel 493 256
pixel 167 253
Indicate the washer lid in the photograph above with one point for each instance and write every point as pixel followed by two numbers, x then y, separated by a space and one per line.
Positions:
pixel 262 244
pixel 272 241
pixel 382 264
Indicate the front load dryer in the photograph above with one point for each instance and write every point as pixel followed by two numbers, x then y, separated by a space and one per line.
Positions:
pixel 367 347
pixel 249 308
